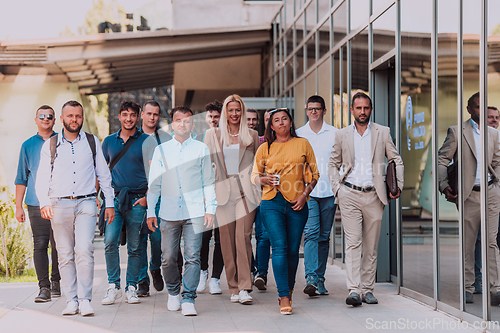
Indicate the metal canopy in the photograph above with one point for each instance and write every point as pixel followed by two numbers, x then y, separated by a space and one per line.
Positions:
pixel 104 63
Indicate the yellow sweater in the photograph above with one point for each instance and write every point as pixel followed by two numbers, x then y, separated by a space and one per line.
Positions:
pixel 293 160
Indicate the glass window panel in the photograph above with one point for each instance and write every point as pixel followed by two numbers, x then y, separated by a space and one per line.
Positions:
pixel 324 87
pixel 311 16
pixel 340 23
pixel 336 95
pixel 384 33
pixel 311 85
pixel 289 15
pixel 379 5
pixel 289 72
pixel 359 63
pixel 311 51
pixel 324 38
pixel 289 42
pixel 360 13
pixel 345 97
pixel 299 29
pixel 300 113
pixel 299 63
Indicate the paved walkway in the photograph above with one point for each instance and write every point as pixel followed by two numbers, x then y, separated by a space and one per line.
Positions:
pixel 18 312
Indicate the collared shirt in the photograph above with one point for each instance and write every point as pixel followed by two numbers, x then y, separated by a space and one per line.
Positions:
pixel 149 145
pixel 182 174
pixel 361 174
pixel 130 171
pixel 477 142
pixel 322 143
pixel 29 159
pixel 73 173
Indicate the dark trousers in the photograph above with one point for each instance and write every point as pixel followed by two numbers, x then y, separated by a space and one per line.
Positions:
pixel 42 234
pixel 217 262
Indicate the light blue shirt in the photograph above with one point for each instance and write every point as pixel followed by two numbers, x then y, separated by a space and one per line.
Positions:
pixel 477 142
pixel 322 144
pixel 182 175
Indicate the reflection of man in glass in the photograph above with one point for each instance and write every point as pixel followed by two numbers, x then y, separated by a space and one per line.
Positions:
pixel 493 116
pixel 471 194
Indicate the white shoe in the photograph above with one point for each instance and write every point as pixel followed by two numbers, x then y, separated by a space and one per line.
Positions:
pixel 214 286
pixel 112 294
pixel 71 308
pixel 188 309
pixel 85 308
pixel 131 296
pixel 245 298
pixel 235 298
pixel 174 302
pixel 203 281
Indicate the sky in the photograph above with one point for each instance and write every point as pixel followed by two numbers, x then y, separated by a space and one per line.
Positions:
pixel 29 19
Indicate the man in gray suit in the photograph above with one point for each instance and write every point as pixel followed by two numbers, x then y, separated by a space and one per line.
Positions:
pixel 361 150
pixel 471 195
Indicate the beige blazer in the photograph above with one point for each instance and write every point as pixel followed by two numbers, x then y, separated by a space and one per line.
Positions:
pixel 382 146
pixel 246 155
pixel 448 153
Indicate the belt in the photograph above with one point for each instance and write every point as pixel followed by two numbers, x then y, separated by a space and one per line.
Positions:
pixel 359 188
pixel 79 196
pixel 477 188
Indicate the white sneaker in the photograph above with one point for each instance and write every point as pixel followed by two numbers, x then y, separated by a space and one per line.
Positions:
pixel 245 298
pixel 131 296
pixel 235 298
pixel 214 286
pixel 188 309
pixel 203 281
pixel 71 308
pixel 85 308
pixel 174 302
pixel 112 294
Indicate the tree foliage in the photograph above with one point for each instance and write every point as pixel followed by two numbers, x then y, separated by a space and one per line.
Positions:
pixel 103 11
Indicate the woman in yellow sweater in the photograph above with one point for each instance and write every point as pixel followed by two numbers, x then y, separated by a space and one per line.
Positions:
pixel 286 168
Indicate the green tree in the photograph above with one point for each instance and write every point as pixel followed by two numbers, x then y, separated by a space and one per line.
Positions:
pixel 100 12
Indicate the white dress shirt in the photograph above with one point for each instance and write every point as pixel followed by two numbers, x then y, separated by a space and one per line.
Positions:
pixel 362 174
pixel 477 142
pixel 73 173
pixel 322 144
pixel 182 175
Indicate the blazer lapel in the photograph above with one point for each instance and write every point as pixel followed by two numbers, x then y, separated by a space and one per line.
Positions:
pixel 469 137
pixel 374 138
pixel 220 155
pixel 350 144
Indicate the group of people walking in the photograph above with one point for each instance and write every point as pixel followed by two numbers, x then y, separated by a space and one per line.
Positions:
pixel 164 187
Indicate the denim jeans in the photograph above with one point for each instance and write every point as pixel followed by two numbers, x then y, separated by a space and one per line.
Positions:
pixel 171 233
pixel 42 233
pixel 317 236
pixel 478 259
pixel 74 228
pixel 284 226
pixel 133 222
pixel 263 251
pixel 155 241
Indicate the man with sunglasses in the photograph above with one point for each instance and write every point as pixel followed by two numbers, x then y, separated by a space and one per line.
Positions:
pixel 322 205
pixel 29 159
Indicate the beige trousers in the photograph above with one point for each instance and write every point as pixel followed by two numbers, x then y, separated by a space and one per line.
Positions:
pixel 472 221
pixel 361 218
pixel 235 229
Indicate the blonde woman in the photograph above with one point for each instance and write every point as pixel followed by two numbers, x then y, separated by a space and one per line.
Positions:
pixel 232 147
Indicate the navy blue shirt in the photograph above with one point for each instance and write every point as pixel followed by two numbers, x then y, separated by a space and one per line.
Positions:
pixel 29 159
pixel 129 171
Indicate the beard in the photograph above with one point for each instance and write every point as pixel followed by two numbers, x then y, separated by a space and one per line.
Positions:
pixel 359 121
pixel 68 128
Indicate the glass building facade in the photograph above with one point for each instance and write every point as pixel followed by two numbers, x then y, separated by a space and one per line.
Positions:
pixel 419 61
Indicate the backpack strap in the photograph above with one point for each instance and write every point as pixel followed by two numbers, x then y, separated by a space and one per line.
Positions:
pixel 91 140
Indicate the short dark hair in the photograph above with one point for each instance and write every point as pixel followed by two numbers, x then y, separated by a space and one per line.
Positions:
pixel 181 109
pixel 316 99
pixel 361 94
pixel 45 107
pixel 73 104
pixel 126 105
pixel 254 111
pixel 152 103
pixel 471 101
pixel 214 106
pixel 493 108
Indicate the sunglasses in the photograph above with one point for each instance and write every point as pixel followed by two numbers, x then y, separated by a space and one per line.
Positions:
pixel 277 110
pixel 43 116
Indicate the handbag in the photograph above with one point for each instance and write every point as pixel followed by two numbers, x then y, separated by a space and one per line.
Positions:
pixel 452 172
pixel 391 180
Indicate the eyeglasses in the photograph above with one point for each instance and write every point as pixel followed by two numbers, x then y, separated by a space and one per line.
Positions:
pixel 43 116
pixel 277 110
pixel 314 109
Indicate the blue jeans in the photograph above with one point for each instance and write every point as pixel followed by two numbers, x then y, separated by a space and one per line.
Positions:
pixel 133 222
pixel 284 226
pixel 478 259
pixel 317 236
pixel 171 233
pixel 155 240
pixel 263 251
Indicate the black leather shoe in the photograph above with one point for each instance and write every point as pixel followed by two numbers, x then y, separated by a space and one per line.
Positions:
pixel 469 299
pixel 157 280
pixel 495 299
pixel 43 296
pixel 143 289
pixel 353 299
pixel 368 298
pixel 261 282
pixel 55 289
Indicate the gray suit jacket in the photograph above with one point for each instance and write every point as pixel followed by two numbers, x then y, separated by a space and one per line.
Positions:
pixel 382 147
pixel 448 152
